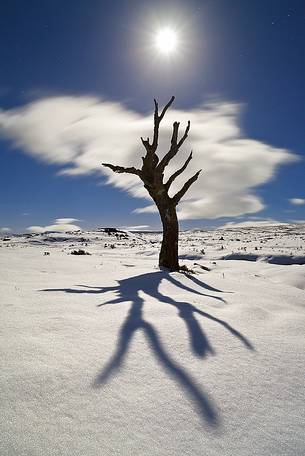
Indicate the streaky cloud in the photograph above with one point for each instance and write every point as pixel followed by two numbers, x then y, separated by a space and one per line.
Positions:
pixel 297 201
pixel 78 133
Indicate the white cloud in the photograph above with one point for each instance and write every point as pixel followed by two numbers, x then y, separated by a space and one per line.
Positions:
pixel 60 225
pixel 297 201
pixel 61 221
pixel 299 221
pixel 5 230
pixel 136 228
pixel 252 223
pixel 79 133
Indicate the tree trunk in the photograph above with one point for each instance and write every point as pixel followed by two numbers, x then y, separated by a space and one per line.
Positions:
pixel 168 257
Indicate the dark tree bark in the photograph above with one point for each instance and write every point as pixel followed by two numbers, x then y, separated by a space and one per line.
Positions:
pixel 168 257
pixel 152 176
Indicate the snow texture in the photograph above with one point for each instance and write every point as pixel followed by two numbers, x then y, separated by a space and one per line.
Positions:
pixel 104 354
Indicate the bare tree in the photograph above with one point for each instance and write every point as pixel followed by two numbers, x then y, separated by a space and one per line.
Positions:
pixel 152 175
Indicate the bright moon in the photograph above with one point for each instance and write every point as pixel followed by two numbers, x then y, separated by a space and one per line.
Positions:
pixel 166 41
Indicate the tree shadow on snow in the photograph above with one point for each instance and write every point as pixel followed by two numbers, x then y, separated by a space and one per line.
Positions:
pixel 129 290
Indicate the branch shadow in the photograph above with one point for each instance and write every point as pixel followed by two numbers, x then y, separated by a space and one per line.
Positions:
pixel 129 290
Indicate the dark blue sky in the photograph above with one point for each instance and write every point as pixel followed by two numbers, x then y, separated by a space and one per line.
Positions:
pixel 239 50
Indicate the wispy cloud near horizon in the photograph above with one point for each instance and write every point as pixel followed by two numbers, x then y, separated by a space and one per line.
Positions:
pixel 59 225
pixel 78 133
pixel 297 201
pixel 136 228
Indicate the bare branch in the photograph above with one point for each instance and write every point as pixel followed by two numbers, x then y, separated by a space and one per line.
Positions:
pixel 175 145
pixel 146 144
pixel 185 134
pixel 166 108
pixel 175 134
pixel 157 121
pixel 156 114
pixel 122 169
pixel 151 158
pixel 178 172
pixel 156 127
pixel 185 188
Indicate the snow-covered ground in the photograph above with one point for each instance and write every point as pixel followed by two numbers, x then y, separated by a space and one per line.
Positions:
pixel 104 354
